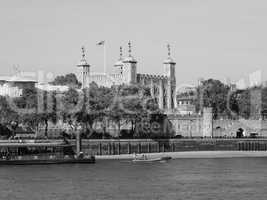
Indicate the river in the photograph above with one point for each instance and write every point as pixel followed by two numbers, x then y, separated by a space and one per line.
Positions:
pixel 194 179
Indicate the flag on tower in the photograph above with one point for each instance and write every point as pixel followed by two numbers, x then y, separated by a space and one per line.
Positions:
pixel 101 42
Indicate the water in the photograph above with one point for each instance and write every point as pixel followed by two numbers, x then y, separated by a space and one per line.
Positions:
pixel 194 179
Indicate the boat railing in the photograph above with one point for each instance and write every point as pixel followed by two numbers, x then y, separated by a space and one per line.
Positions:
pixel 43 157
pixel 37 157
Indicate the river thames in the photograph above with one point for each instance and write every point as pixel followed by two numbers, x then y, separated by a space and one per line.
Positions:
pixel 231 178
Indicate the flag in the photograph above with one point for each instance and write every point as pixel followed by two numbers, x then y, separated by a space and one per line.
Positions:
pixel 101 42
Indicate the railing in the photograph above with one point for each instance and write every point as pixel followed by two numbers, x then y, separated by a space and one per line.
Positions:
pixel 35 157
pixel 252 146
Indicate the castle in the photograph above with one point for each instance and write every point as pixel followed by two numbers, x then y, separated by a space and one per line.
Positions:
pixel 162 87
pixel 180 111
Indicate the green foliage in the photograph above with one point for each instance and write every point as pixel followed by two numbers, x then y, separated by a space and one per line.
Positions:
pixel 38 113
pixel 5 131
pixel 213 93
pixel 7 114
pixel 132 104
pixel 68 79
pixel 119 105
pixel 250 103
pixel 82 109
pixel 129 105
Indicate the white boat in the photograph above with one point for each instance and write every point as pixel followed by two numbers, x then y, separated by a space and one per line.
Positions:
pixel 145 159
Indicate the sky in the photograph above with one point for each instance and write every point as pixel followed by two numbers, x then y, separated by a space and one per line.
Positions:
pixel 220 39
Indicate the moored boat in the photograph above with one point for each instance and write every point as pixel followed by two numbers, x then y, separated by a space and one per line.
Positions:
pixel 47 161
pixel 38 153
pixel 144 158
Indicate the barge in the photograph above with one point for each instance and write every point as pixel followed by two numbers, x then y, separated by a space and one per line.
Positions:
pixel 41 153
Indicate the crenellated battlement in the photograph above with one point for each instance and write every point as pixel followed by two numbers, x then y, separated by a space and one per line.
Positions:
pixel 106 80
pixel 151 76
pixel 116 76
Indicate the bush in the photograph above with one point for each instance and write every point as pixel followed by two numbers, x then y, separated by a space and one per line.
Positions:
pixel 5 132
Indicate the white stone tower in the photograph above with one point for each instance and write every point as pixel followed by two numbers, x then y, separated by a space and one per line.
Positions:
pixel 169 71
pixel 129 68
pixel 119 63
pixel 84 70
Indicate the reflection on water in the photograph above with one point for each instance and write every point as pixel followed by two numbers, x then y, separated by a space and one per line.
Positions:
pixel 244 178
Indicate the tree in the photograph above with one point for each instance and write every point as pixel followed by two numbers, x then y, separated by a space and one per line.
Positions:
pixel 132 104
pixel 48 112
pixel 38 112
pixel 99 104
pixel 213 93
pixel 5 131
pixel 264 102
pixel 7 114
pixel 70 108
pixel 250 103
pixel 69 80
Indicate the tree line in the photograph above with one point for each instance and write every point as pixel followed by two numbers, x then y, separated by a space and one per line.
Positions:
pixel 93 110
pixel 228 102
pixel 86 110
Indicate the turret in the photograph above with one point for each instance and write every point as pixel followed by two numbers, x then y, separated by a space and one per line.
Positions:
pixel 119 63
pixel 84 70
pixel 169 71
pixel 129 68
pixel 169 65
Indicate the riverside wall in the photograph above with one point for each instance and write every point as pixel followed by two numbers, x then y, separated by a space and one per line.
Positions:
pixel 117 147
pixel 129 146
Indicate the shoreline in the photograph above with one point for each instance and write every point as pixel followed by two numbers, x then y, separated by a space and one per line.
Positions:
pixel 190 154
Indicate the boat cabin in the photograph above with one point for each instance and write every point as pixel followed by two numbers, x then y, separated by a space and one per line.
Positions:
pixel 21 150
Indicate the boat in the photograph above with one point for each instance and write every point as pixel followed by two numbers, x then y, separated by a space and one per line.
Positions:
pixel 40 153
pixel 145 159
pixel 46 161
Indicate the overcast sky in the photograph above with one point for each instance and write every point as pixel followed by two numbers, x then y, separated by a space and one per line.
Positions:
pixel 209 38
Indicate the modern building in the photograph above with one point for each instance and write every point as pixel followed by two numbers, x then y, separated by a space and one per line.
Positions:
pixel 13 86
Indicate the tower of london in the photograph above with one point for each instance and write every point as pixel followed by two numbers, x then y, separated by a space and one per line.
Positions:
pixel 162 87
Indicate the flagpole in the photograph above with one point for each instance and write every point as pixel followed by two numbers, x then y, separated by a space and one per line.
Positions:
pixel 103 43
pixel 105 67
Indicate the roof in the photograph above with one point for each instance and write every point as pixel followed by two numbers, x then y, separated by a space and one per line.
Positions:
pixel 21 79
pixel 82 62
pixel 119 63
pixel 31 144
pixel 48 87
pixel 169 60
pixel 130 59
pixel 4 78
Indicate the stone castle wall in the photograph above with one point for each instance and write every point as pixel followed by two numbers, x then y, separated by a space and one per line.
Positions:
pixel 229 128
